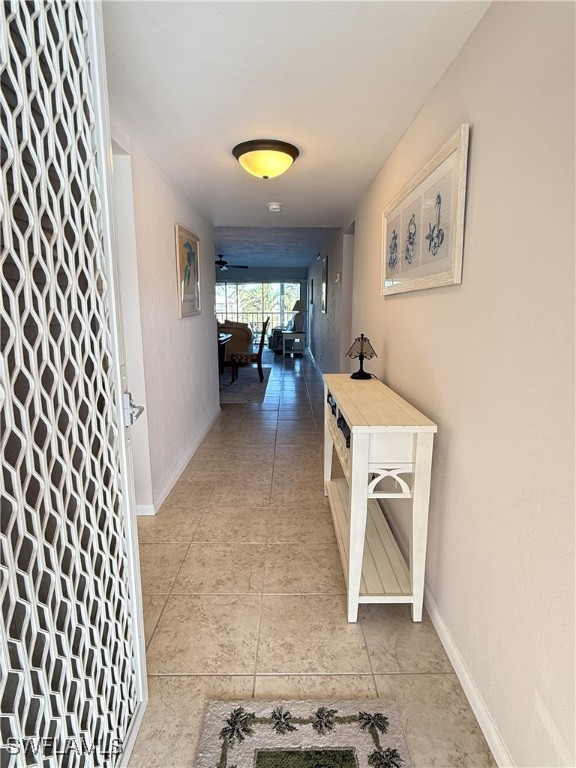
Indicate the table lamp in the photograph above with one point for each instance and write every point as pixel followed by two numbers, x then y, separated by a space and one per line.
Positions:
pixel 362 349
pixel 298 319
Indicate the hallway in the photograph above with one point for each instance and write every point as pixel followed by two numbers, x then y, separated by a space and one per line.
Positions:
pixel 244 593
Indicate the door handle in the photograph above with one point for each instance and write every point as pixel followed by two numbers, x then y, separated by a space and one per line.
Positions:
pixel 131 411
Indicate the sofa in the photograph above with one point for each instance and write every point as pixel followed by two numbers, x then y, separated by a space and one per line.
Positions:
pixel 241 341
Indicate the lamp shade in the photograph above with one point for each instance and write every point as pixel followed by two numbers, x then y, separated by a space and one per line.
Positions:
pixel 265 158
pixel 299 306
pixel 362 349
pixel 361 346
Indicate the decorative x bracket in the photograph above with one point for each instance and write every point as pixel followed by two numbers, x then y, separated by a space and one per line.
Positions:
pixel 379 473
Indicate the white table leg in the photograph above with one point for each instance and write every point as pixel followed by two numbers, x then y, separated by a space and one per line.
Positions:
pixel 420 501
pixel 358 512
pixel 328 444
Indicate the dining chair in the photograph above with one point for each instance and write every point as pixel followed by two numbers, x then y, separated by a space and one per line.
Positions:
pixel 238 358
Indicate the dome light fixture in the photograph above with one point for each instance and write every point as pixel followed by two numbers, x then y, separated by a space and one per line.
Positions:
pixel 265 158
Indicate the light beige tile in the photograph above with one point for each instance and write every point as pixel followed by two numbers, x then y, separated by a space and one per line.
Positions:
pixel 255 440
pixel 304 687
pixel 170 732
pixel 297 495
pixel 172 525
pixel 268 418
pixel 249 452
pixel 309 635
pixel 299 454
pixel 152 605
pixel 233 524
pixel 159 565
pixel 207 471
pixel 304 524
pixel 308 440
pixel 440 728
pixel 262 431
pixel 206 634
pixel 206 453
pixel 398 644
pixel 303 569
pixel 240 476
pixel 309 483
pixel 298 472
pixel 226 568
pixel 305 429
pixel 295 416
pixel 191 494
pixel 241 495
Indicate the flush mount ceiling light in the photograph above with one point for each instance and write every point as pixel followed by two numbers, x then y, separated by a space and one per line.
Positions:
pixel 265 158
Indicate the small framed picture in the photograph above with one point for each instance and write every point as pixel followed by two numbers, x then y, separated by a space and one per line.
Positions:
pixel 188 266
pixel 324 306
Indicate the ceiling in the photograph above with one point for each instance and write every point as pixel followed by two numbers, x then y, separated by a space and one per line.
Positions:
pixel 342 80
pixel 269 246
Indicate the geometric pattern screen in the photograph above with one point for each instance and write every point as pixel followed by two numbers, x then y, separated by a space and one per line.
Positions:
pixel 67 675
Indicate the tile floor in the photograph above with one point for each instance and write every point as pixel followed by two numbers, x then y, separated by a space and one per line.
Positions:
pixel 244 594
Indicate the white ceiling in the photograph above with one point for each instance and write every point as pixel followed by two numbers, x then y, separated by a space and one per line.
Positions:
pixel 342 80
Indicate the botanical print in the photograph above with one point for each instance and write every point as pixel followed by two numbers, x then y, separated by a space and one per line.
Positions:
pixel 436 224
pixel 411 235
pixel 393 230
pixel 187 252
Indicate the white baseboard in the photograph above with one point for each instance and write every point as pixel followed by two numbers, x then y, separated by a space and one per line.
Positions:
pixel 314 363
pixel 171 482
pixel 477 704
pixel 485 721
pixel 145 509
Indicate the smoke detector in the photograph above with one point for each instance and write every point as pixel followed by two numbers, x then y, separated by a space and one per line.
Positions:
pixel 274 207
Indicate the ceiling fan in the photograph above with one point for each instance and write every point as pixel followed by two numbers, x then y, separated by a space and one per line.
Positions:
pixel 223 265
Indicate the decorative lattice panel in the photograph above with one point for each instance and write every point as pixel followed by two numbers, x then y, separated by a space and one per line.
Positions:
pixel 67 679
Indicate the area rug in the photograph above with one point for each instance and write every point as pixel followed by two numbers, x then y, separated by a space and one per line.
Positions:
pixel 246 389
pixel 302 734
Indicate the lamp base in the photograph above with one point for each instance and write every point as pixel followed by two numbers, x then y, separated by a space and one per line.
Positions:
pixel 361 374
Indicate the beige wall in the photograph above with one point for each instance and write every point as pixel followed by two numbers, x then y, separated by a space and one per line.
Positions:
pixel 326 327
pixel 180 355
pixel 492 361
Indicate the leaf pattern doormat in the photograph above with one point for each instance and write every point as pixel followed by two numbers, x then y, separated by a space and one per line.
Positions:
pixel 302 734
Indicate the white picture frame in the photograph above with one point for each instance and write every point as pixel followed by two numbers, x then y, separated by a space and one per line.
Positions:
pixel 188 272
pixel 423 225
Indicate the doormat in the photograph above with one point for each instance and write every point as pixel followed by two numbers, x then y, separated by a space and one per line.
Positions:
pixel 246 389
pixel 302 734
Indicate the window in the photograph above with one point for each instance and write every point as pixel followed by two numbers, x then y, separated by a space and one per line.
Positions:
pixel 252 303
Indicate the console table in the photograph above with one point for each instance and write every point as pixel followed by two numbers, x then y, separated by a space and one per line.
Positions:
pixel 385 448
pixel 298 339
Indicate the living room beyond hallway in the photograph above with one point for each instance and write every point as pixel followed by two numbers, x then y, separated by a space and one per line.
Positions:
pixel 244 594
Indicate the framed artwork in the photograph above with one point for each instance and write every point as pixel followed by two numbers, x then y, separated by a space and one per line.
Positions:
pixel 188 265
pixel 324 284
pixel 423 226
pixel 311 290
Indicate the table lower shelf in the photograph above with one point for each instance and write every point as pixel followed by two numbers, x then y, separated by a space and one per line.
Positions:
pixel 385 575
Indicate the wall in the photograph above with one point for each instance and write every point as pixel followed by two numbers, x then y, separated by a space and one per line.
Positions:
pixel 180 355
pixel 326 329
pixel 347 332
pixel 492 361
